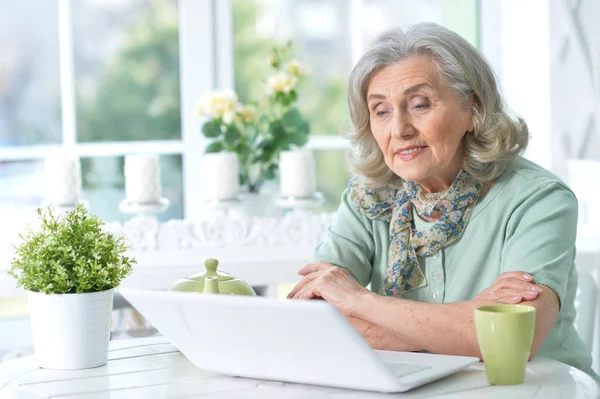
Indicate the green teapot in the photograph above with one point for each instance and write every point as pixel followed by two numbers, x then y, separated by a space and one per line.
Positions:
pixel 213 281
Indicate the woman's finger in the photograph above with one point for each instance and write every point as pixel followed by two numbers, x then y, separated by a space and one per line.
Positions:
pixel 505 292
pixel 511 300
pixel 306 280
pixel 298 287
pixel 314 267
pixel 517 284
pixel 307 292
pixel 516 275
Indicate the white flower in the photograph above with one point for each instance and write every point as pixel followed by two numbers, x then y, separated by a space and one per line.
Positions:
pixel 228 117
pixel 247 114
pixel 201 106
pixel 218 104
pixel 296 68
pixel 281 82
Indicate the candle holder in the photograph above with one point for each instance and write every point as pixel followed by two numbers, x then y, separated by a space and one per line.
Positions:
pixel 143 209
pixel 222 203
pixel 213 208
pixel 313 201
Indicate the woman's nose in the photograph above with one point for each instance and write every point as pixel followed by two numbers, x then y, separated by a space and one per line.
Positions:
pixel 401 128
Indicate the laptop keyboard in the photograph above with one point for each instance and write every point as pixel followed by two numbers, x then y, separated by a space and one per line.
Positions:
pixel 403 369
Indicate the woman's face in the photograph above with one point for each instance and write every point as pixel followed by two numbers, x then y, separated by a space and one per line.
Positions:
pixel 419 122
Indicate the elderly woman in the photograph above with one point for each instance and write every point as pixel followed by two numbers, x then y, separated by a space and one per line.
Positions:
pixel 444 215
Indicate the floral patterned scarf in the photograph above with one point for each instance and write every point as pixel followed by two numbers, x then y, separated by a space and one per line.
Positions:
pixel 396 206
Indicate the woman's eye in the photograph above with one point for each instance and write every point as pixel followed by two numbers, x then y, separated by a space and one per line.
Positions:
pixel 380 110
pixel 420 104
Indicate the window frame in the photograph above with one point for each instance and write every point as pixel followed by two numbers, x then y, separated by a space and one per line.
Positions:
pixel 206 63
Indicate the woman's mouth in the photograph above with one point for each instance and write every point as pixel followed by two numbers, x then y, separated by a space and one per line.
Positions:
pixel 411 153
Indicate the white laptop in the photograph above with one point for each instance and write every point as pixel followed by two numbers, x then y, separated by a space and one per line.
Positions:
pixel 306 342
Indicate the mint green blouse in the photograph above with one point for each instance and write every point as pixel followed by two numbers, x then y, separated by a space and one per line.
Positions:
pixel 527 222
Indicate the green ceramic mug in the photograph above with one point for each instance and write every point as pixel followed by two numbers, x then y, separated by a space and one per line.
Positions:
pixel 505 334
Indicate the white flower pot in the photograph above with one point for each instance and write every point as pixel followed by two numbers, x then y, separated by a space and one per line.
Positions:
pixel 71 331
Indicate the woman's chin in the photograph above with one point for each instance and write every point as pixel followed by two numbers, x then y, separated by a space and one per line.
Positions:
pixel 409 173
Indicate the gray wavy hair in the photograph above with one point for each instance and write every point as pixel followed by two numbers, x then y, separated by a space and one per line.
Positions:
pixel 497 138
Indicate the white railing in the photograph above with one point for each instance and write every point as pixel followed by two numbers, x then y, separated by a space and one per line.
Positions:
pixel 261 250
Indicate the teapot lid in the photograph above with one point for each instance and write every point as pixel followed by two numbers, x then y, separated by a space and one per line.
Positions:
pixel 211 266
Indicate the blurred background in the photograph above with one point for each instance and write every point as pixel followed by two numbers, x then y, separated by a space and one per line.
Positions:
pixel 106 78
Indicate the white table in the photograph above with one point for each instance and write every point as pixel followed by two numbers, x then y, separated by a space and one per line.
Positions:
pixel 153 368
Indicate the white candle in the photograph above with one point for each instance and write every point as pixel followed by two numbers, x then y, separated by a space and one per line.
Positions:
pixel 220 176
pixel 297 173
pixel 142 178
pixel 62 179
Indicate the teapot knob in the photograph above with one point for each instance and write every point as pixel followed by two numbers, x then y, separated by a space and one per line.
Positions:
pixel 211 285
pixel 211 265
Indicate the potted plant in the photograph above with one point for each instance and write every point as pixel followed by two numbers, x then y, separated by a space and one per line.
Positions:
pixel 258 132
pixel 70 265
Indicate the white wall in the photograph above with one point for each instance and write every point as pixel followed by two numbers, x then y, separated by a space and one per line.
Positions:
pixel 575 70
pixel 515 38
pixel 546 54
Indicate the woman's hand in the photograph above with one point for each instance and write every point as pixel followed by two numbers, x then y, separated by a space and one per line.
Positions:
pixel 512 288
pixel 332 283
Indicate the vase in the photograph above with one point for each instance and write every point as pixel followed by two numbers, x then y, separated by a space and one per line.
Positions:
pixel 71 331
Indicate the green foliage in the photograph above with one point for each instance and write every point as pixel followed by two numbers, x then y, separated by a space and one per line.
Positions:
pixel 212 129
pixel 328 110
pixel 70 254
pixel 249 48
pixel 259 134
pixel 138 94
pixel 323 99
pixel 214 147
pixel 324 102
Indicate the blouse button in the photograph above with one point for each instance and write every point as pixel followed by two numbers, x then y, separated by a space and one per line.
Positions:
pixel 436 255
pixel 437 275
pixel 435 295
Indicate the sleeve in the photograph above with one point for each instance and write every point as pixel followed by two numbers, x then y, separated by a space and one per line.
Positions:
pixel 348 242
pixel 540 237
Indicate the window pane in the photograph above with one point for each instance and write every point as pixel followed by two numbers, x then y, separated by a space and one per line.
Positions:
pixel 126 57
pixel 22 181
pixel 319 34
pixel 322 33
pixel 29 73
pixel 332 177
pixel 459 15
pixel 104 186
